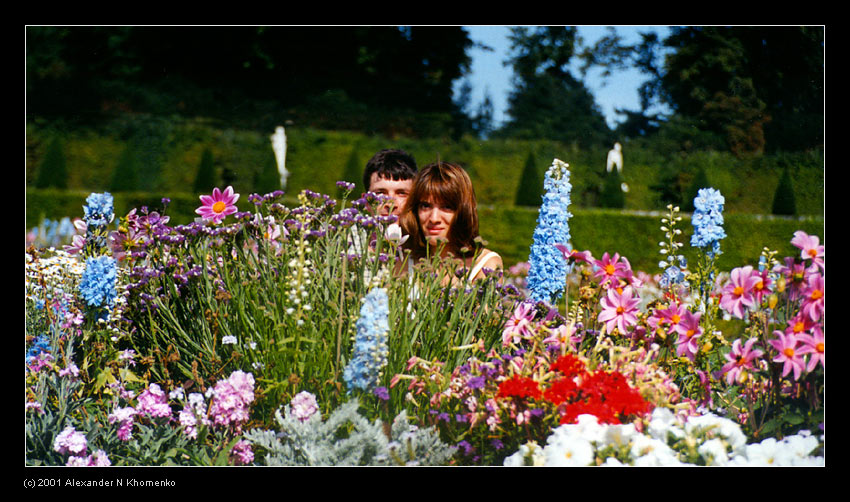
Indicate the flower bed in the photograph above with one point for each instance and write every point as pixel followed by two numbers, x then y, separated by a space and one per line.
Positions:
pixel 282 337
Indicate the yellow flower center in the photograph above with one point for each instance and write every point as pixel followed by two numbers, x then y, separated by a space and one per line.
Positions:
pixel 813 252
pixel 817 294
pixel 620 310
pixel 738 291
pixel 788 352
pixel 609 269
pixel 760 285
pixel 675 319
pixel 799 327
pixel 219 207
pixel 690 333
pixel 819 347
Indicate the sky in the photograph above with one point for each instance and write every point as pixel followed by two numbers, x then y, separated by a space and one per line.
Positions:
pixel 489 75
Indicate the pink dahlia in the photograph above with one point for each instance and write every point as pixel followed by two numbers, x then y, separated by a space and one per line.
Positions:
pixel 619 309
pixel 689 330
pixel 610 269
pixel 813 344
pixel 218 205
pixel 738 292
pixel 571 255
pixel 810 247
pixel 789 353
pixel 519 325
pixel 740 359
pixel 813 303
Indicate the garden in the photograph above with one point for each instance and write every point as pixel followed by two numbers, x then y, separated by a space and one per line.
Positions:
pixel 280 336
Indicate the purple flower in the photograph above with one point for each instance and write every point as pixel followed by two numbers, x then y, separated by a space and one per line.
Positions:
pixel 304 405
pixel 70 441
pixel 382 393
pixel 154 402
pixel 476 382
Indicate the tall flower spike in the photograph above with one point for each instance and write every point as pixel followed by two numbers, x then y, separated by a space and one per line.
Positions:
pixel 708 221
pixel 548 268
pixel 370 344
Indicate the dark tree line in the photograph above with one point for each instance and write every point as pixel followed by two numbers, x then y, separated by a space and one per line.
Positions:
pixel 218 70
pixel 746 89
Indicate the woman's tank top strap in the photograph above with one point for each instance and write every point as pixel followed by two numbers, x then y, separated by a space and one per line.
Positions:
pixel 480 264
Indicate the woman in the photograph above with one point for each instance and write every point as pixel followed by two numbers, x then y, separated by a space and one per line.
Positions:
pixel 441 218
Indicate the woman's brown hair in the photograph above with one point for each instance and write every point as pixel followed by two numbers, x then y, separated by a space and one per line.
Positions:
pixel 446 184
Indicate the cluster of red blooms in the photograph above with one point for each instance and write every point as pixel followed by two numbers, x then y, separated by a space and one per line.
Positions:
pixel 577 391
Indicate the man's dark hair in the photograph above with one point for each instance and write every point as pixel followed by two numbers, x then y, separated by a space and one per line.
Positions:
pixel 391 164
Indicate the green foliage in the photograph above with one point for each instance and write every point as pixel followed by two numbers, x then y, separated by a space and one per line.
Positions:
pixel 346 438
pixel 699 181
pixel 784 202
pixel 53 171
pixel 205 180
pixel 612 195
pixel 125 178
pixel 352 173
pixel 530 188
pixel 268 178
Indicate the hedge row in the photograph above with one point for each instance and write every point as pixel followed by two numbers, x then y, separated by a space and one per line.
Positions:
pixel 509 230
pixel 169 155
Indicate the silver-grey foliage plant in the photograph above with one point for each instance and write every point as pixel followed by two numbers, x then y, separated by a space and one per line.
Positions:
pixel 348 439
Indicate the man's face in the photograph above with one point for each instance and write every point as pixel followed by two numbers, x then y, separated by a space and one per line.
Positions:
pixel 397 190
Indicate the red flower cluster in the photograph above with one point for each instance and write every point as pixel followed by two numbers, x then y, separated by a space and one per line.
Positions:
pixel 519 386
pixel 608 396
pixel 568 364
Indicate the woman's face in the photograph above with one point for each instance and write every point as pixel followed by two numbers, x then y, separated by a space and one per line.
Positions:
pixel 436 220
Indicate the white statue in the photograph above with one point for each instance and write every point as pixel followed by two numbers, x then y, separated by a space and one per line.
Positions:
pixel 279 147
pixel 615 158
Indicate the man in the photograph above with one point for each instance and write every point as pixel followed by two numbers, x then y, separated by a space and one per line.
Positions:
pixel 390 172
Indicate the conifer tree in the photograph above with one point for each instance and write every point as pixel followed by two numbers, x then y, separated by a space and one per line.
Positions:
pixel 784 202
pixel 205 180
pixel 530 188
pixel 125 177
pixel 53 171
pixel 612 191
pixel 353 173
pixel 268 178
pixel 699 181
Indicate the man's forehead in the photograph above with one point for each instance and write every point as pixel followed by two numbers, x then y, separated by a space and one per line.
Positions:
pixel 388 182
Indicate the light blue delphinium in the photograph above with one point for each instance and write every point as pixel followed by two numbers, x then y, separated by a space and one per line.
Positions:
pixel 370 343
pixel 97 285
pixel 547 267
pixel 708 221
pixel 99 209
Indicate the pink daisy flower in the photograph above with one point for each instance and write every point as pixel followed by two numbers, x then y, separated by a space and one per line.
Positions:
pixel 762 285
pixel 519 324
pixel 810 248
pixel 571 255
pixel 218 205
pixel 618 310
pixel 740 359
pixel 689 330
pixel 813 297
pixel 788 353
pixel 737 294
pixel 611 269
pixel 813 344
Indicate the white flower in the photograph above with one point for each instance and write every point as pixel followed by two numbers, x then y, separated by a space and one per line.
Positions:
pixel 228 340
pixel 529 452
pixel 714 452
pixel 394 234
pixel 568 451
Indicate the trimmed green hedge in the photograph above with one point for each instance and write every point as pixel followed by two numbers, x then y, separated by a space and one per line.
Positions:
pixel 509 230
pixel 316 159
